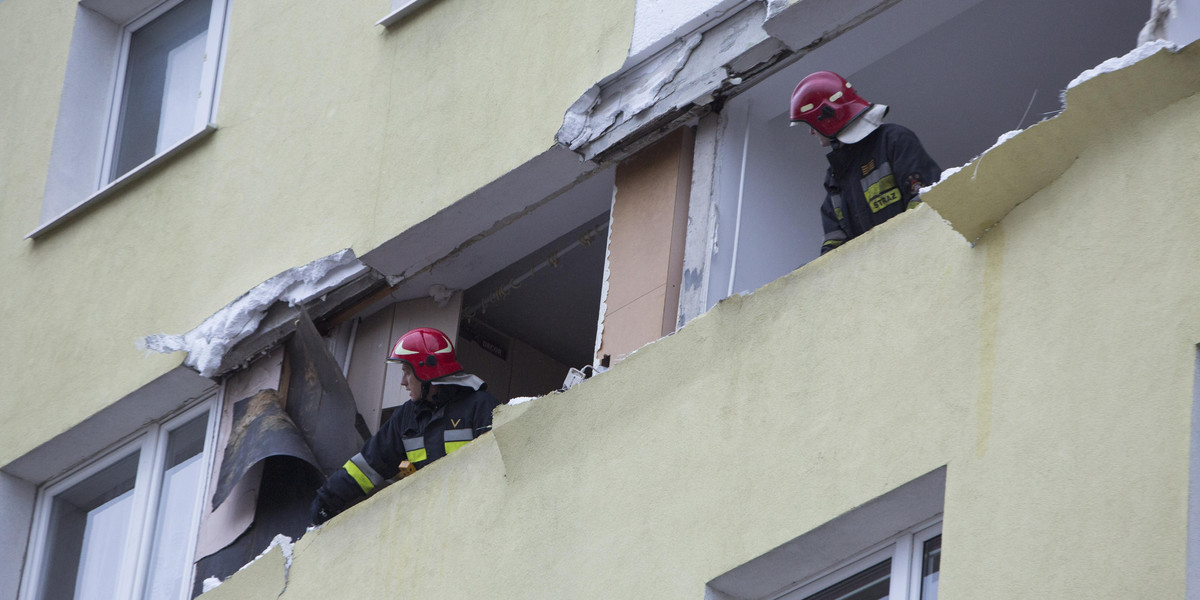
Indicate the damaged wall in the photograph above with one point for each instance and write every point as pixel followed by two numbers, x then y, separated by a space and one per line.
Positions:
pixel 333 133
pixel 1050 368
pixel 645 246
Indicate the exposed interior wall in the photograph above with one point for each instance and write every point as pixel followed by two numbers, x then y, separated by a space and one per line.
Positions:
pixel 770 187
pixel 547 302
pixel 375 382
pixel 1049 368
pixel 645 245
pixel 959 74
pixel 324 143
pixel 519 370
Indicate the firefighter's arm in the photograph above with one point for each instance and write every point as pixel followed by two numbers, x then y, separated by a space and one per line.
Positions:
pixel 339 491
pixel 834 234
pixel 364 473
pixel 913 166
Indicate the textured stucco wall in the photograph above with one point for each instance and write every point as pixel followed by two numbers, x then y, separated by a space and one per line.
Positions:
pixel 334 133
pixel 1049 367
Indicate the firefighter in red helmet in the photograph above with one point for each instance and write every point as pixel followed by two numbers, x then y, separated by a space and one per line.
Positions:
pixel 876 170
pixel 448 409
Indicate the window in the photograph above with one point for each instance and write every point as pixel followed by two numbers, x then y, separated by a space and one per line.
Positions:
pixel 906 568
pixel 160 96
pixel 889 547
pixel 141 83
pixel 124 526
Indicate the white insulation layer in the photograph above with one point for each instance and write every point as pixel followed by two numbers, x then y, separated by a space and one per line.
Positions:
pixel 1140 53
pixel 285 544
pixel 207 344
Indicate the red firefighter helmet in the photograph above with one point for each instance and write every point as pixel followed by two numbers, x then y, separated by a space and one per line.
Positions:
pixel 828 103
pixel 428 351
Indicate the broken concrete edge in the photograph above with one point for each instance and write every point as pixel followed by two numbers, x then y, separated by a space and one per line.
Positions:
pixel 263 317
pixel 676 84
pixel 280 321
pixel 697 73
pixel 280 550
pixel 604 279
pixel 208 343
pixel 1138 54
pixel 975 197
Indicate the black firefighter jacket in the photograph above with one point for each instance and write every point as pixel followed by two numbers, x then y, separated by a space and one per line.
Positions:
pixel 872 181
pixel 419 432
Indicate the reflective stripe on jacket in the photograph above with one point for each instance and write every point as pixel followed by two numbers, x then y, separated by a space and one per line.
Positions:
pixel 419 432
pixel 872 181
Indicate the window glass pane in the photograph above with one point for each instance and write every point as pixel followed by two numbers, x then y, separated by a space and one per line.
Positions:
pixel 870 584
pixel 162 84
pixel 931 566
pixel 178 501
pixel 85 542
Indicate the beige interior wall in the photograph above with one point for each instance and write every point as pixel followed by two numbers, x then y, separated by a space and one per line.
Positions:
pixel 493 369
pixel 374 382
pixel 524 371
pixel 333 133
pixel 1049 368
pixel 534 373
pixel 645 245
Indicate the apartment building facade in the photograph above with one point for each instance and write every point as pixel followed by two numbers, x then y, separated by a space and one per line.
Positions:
pixel 218 212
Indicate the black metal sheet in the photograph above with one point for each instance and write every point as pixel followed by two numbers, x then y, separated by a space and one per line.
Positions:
pixel 261 429
pixel 288 488
pixel 319 399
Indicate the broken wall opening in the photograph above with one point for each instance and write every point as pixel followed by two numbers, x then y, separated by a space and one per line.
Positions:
pixel 526 325
pixel 958 74
pixel 517 331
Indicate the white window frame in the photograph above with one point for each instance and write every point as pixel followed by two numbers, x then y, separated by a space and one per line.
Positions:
pixel 77 149
pixel 204 108
pixel 151 441
pixel 906 551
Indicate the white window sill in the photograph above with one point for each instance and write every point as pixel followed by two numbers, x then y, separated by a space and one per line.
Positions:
pixel 401 11
pixel 122 181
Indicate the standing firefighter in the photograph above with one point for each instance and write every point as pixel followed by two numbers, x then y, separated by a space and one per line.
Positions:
pixel 875 170
pixel 448 409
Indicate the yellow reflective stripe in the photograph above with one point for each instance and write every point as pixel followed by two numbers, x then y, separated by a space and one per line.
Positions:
pixel 364 482
pixel 833 243
pixel 452 446
pixel 416 456
pixel 882 194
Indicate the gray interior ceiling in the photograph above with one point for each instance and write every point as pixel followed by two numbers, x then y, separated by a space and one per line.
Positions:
pixel 495 225
pixel 556 309
pixel 969 79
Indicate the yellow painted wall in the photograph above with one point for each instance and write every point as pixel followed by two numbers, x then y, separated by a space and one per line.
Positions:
pixel 1049 368
pixel 334 133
